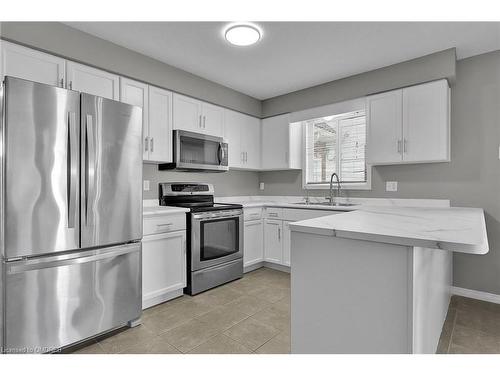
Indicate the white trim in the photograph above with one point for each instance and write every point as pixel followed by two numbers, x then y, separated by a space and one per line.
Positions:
pixel 476 294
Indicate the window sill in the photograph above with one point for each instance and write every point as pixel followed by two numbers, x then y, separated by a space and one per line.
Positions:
pixel 351 186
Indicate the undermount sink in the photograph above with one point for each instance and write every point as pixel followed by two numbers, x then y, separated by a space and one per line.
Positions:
pixel 327 204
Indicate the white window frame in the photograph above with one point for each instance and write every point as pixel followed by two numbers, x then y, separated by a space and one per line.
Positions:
pixel 367 185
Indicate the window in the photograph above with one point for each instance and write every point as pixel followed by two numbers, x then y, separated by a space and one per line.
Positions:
pixel 336 144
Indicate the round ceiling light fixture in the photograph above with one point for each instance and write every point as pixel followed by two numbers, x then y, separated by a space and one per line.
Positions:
pixel 242 34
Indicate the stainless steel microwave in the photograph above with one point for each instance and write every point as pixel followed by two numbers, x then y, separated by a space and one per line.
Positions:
pixel 198 153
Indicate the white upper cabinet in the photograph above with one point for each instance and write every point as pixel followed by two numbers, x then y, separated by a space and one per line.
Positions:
pixel 242 132
pixel 196 116
pixel 233 127
pixel 281 143
pixel 212 119
pixel 385 129
pixel 426 122
pixel 156 107
pixel 92 81
pixel 187 113
pixel 410 125
pixel 32 65
pixel 160 125
pixel 136 93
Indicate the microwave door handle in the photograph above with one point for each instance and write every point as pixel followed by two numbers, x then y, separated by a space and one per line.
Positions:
pixel 220 153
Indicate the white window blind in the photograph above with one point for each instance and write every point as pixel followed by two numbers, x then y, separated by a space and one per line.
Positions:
pixel 336 144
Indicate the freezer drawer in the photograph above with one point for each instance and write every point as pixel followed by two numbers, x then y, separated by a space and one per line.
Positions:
pixel 55 301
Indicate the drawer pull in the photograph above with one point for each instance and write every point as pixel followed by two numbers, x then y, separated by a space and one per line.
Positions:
pixel 164 225
pixel 274 214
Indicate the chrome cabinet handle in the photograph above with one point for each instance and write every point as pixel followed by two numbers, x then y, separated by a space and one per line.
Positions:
pixel 89 165
pixel 72 171
pixel 279 234
pixel 204 122
pixel 146 144
pixel 242 156
pixel 71 85
pixel 62 82
pixel 199 121
pixel 273 214
pixel 405 146
pixel 152 144
pixel 399 146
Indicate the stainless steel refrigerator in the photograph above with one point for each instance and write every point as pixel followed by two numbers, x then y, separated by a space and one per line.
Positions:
pixel 71 216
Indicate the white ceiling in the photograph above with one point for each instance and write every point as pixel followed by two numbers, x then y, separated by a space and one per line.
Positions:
pixel 293 55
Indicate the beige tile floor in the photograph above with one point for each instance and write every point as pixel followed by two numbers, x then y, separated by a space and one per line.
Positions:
pixel 252 315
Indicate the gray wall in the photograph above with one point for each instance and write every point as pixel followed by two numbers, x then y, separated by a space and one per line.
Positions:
pixel 62 40
pixel 472 179
pixel 426 68
pixel 226 184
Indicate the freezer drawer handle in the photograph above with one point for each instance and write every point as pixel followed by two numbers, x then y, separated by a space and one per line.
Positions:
pixel 37 264
pixel 72 169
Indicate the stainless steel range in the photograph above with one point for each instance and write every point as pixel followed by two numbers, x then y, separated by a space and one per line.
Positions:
pixel 215 235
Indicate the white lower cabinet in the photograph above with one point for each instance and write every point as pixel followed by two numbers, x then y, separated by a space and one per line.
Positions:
pixel 253 243
pixel 286 243
pixel 273 241
pixel 163 267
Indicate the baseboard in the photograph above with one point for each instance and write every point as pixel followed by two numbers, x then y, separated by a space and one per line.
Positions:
pixel 278 267
pixel 150 302
pixel 253 267
pixel 476 294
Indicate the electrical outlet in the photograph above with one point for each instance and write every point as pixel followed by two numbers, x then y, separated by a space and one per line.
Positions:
pixel 261 186
pixel 391 186
pixel 146 185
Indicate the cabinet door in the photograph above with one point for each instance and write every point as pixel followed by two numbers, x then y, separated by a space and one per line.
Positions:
pixel 384 114
pixel 426 129
pixel 163 264
pixel 250 142
pixel 136 93
pixel 273 241
pixel 286 243
pixel 160 125
pixel 92 81
pixel 26 63
pixel 253 243
pixel 233 127
pixel 213 119
pixel 275 142
pixel 187 113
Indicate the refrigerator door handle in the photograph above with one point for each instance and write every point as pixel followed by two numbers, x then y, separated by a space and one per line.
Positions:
pixel 37 264
pixel 90 168
pixel 72 169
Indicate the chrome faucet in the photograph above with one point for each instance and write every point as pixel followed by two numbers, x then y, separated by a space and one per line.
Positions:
pixel 331 188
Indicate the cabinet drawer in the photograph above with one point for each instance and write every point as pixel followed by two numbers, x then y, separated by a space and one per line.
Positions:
pixel 274 213
pixel 252 213
pixel 164 224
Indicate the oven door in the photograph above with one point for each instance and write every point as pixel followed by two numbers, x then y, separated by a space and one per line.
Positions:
pixel 202 152
pixel 216 237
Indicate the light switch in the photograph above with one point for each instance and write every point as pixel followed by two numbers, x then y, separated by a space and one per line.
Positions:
pixel 391 186
pixel 146 185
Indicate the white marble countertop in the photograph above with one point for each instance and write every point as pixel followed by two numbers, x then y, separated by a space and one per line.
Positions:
pixel 298 202
pixel 454 228
pixel 162 210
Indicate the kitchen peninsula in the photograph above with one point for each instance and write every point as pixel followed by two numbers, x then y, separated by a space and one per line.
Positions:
pixel 377 280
